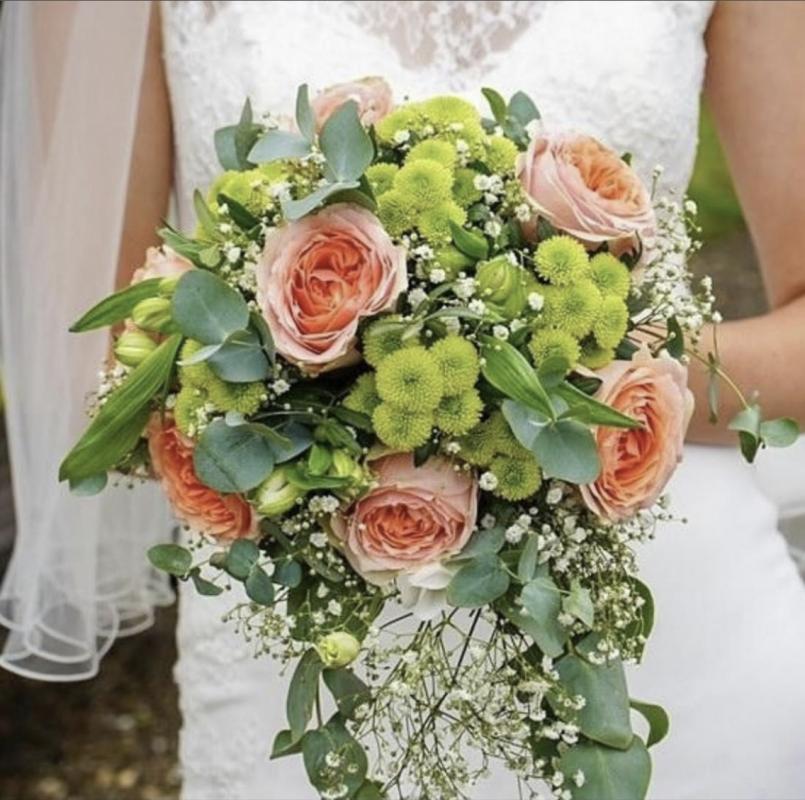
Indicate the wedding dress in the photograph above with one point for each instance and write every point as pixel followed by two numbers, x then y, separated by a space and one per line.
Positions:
pixel 728 654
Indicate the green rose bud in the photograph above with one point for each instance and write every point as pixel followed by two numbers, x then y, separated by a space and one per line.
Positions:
pixel 344 465
pixel 133 347
pixel 503 286
pixel 275 495
pixel 319 459
pixel 338 649
pixel 153 314
pixel 167 286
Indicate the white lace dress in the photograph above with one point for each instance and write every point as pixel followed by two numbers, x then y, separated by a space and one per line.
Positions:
pixel 728 654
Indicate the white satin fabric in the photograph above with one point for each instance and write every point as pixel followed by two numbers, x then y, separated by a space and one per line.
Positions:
pixel 728 655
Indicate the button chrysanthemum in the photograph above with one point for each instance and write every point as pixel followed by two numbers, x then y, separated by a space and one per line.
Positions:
pixel 458 364
pixel 410 379
pixel 561 260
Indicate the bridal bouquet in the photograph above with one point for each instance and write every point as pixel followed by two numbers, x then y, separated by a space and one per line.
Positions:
pixel 417 381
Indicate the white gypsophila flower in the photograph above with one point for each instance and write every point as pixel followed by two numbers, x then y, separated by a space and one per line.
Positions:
pixel 477 307
pixel 514 533
pixel 417 296
pixel 523 212
pixel 334 607
pixel 493 228
pixel 536 301
pixel 318 539
pixel 452 324
pixel 437 275
pixel 488 482
pixel 500 332
pixel 401 137
pixel 465 288
pixel 488 521
pixel 280 386
pixel 233 254
pixel 452 448
pixel 554 495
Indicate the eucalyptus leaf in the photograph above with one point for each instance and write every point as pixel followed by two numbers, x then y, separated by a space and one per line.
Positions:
pixel 204 587
pixel 279 145
pixel 551 372
pixel 259 587
pixel 522 108
pixel 609 774
pixel 233 143
pixel 171 558
pixel 645 622
pixel 542 601
pixel 525 423
pixel 470 243
pixel 675 343
pixel 302 692
pixel 287 573
pixel 347 689
pixel 260 326
pixel 483 541
pixel 657 718
pixel 240 215
pixel 284 745
pixel 202 354
pixel 590 411
pixel 240 558
pixel 782 432
pixel 240 358
pixel 232 459
pixel 566 450
pixel 345 143
pixel 295 439
pixel 579 604
pixel 334 738
pixel 747 423
pixel 478 583
pixel 89 486
pixel 527 563
pixel 305 119
pixel 117 306
pixel 206 308
pixel 296 209
pixel 497 105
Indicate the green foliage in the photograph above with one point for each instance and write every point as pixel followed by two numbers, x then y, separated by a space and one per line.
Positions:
pixel 609 774
pixel 207 309
pixel 233 143
pixel 171 558
pixel 116 307
pixel 541 604
pixel 302 692
pixel 478 583
pixel 657 719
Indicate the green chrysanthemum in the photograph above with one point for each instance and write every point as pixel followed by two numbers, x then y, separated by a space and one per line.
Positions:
pixel 434 223
pixel 381 339
pixel 485 441
pixel 459 413
pixel 501 154
pixel 364 397
pixel 198 375
pixel 593 356
pixel 610 275
pixel 410 379
pixel 548 342
pixel 423 183
pixel 611 323
pixel 458 364
pixel 400 428
pixel 396 212
pixel 572 309
pixel 448 110
pixel 518 477
pixel 464 191
pixel 452 261
pixel 561 260
pixel 381 177
pixel 189 402
pixel 442 152
pixel 404 118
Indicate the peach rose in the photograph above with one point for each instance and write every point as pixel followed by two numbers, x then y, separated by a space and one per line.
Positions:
pixel 161 262
pixel 636 464
pixel 587 191
pixel 318 276
pixel 202 508
pixel 414 516
pixel 373 96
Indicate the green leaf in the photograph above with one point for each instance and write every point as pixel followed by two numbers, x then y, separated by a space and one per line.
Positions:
pixel 782 432
pixel 657 718
pixel 240 358
pixel 240 215
pixel 301 478
pixel 334 738
pixel 497 104
pixel 566 450
pixel 482 542
pixel 470 243
pixel 347 689
pixel 295 439
pixel 204 587
pixel 232 459
pixel 259 587
pixel 551 372
pixel 240 558
pixel 302 692
pixel 478 583
pixel 206 308
pixel 305 119
pixel 675 343
pixel 284 745
pixel 171 558
pixel 233 143
pixel 543 602
pixel 522 108
pixel 525 423
pixel 345 143
pixel 609 774
pixel 590 411
pixel 509 372
pixel 119 423
pixel 117 306
pixel 89 486
pixel 645 623
pixel 579 603
pixel 296 209
pixel 279 145
pixel 203 214
pixel 260 326
pixel 605 716
pixel 287 573
pixel 747 423
pixel 527 564
pixel 355 418
pixel 369 790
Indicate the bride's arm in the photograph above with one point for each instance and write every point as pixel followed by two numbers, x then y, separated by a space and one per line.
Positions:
pixel 152 160
pixel 754 84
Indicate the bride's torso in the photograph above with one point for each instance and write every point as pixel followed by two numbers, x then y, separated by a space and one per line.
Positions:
pixel 629 73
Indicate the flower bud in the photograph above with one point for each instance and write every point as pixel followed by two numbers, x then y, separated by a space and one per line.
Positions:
pixel 153 314
pixel 343 465
pixel 133 347
pixel 167 286
pixel 275 495
pixel 338 649
pixel 319 459
pixel 503 286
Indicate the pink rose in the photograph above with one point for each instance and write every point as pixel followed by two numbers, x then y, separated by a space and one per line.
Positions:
pixel 222 516
pixel 586 190
pixel 636 464
pixel 319 276
pixel 373 96
pixel 415 516
pixel 161 262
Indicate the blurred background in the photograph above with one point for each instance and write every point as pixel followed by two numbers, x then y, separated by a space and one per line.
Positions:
pixel 114 738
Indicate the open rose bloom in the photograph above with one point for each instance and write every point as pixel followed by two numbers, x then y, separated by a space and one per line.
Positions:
pixel 373 96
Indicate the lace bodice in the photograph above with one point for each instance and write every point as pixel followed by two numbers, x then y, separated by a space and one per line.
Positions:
pixel 629 73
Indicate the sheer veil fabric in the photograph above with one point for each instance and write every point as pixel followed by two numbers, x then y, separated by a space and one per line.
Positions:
pixel 70 75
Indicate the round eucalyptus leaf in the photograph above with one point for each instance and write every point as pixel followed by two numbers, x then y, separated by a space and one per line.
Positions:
pixel 478 583
pixel 240 359
pixel 232 459
pixel 542 603
pixel 259 586
pixel 566 450
pixel 206 308
pixel 609 774
pixel 86 487
pixel 240 558
pixel 171 558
